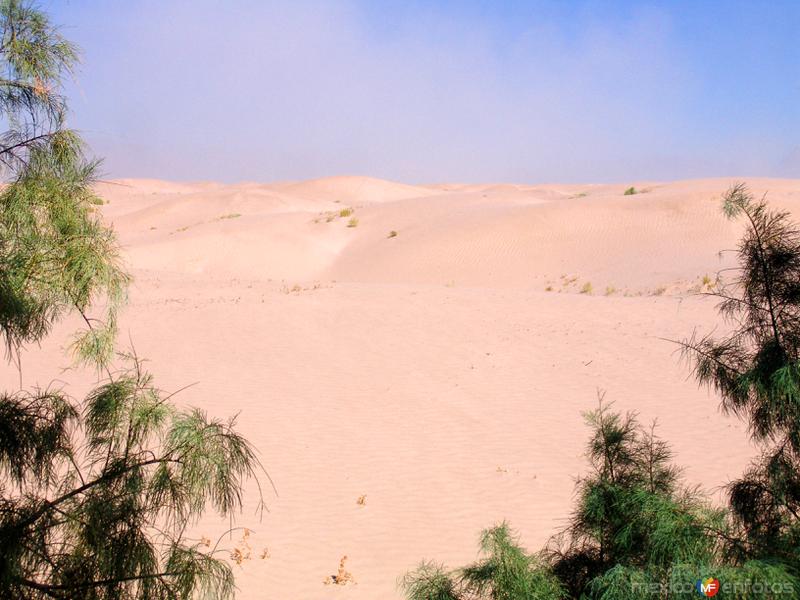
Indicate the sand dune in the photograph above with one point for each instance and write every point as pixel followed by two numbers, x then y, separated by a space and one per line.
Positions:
pixel 355 189
pixel 442 371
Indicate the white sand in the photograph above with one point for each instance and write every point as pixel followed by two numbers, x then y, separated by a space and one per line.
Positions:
pixel 431 371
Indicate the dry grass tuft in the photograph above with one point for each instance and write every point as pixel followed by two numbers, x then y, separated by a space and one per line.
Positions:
pixel 342 577
pixel 243 551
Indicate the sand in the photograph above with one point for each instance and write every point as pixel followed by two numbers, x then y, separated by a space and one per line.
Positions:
pixel 440 373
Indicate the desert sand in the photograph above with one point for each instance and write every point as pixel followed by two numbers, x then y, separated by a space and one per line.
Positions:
pixel 439 373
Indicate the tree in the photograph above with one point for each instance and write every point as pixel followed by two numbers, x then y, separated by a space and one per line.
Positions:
pixel 95 498
pixel 55 253
pixel 107 518
pixel 756 370
pixel 633 521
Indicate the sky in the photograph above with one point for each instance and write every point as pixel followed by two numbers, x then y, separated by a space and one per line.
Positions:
pixel 439 90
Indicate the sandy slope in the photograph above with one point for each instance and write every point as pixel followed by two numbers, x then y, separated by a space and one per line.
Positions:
pixel 441 372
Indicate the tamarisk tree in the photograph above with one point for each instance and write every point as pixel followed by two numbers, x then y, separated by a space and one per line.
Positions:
pixel 756 370
pixel 95 497
pixel 56 255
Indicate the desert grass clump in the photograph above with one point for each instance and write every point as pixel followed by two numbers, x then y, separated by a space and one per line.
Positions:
pixel 587 288
pixel 345 212
pixel 353 222
pixel 610 290
pixel 630 191
pixel 392 234
pixel 342 577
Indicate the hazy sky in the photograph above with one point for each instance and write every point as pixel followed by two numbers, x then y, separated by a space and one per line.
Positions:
pixel 469 90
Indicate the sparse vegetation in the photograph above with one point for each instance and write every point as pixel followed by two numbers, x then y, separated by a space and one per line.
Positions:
pixel 630 191
pixel 392 234
pixel 636 526
pixel 587 288
pixel 342 577
pixel 610 290
pixel 353 222
pixel 345 212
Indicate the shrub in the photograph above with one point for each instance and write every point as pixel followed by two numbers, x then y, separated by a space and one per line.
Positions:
pixel 630 191
pixel 632 512
pixel 504 572
pixel 353 222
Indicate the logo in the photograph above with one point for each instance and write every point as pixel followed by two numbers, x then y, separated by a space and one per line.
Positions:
pixel 707 587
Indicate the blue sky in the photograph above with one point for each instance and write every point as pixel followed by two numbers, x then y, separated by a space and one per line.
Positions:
pixel 520 91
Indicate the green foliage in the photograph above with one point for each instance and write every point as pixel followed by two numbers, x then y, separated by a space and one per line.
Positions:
pixel 103 515
pixel 754 579
pixel 55 253
pixel 95 499
pixel 431 581
pixel 505 572
pixel 756 371
pixel 632 512
pixel 630 191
